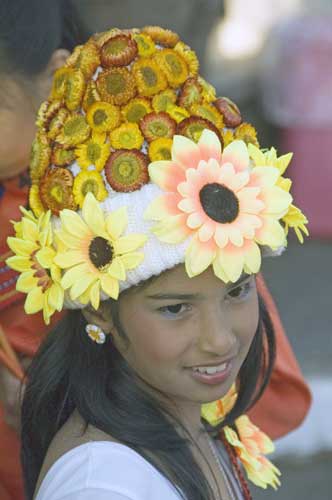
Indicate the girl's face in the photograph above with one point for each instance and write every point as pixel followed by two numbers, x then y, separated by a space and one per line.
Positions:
pixel 19 104
pixel 181 330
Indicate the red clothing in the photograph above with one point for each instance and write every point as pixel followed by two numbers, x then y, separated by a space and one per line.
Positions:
pixel 287 398
pixel 282 407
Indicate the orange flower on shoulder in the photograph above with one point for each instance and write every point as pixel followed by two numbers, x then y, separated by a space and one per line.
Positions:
pixel 250 445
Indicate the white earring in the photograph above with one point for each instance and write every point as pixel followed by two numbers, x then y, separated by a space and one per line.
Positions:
pixel 95 333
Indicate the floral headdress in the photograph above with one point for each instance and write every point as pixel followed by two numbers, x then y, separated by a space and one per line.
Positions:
pixel 138 166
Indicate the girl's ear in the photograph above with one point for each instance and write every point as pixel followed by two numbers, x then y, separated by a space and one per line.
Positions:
pixel 101 317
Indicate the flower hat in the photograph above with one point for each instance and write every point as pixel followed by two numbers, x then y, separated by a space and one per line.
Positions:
pixel 138 166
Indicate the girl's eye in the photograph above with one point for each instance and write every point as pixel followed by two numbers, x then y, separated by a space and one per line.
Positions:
pixel 174 310
pixel 241 292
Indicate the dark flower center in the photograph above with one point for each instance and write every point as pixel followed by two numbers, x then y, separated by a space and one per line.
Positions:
pixel 219 203
pixel 100 252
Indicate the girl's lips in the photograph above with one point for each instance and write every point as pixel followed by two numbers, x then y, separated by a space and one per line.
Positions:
pixel 215 378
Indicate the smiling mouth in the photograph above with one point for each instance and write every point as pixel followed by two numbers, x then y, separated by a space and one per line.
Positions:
pixel 211 370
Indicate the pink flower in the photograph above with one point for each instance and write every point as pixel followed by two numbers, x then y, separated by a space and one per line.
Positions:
pixel 227 207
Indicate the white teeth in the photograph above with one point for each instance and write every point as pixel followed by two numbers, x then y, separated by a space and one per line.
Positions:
pixel 210 370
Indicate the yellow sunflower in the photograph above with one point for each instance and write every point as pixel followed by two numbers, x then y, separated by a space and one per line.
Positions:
pixel 173 65
pixel 161 101
pixel 89 181
pixel 136 109
pixel 150 80
pixel 161 35
pixel 74 131
pixel 247 133
pixel 103 116
pixel 189 56
pixel 160 149
pixel 97 255
pixel 91 95
pixel 294 218
pixel 177 112
pixel 127 136
pixel 74 89
pixel 59 83
pixel 34 258
pixel 145 44
pixel 116 85
pixel 93 152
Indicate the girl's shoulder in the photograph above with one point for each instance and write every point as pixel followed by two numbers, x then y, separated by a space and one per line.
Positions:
pixel 108 468
pixel 85 463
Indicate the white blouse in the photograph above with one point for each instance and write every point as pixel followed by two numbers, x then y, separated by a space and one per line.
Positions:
pixel 103 470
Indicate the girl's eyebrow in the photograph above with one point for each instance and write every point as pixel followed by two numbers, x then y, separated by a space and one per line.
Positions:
pixel 177 296
pixel 194 296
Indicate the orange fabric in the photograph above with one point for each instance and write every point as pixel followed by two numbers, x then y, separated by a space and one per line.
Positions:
pixel 287 399
pixel 281 409
pixel 24 333
pixel 11 484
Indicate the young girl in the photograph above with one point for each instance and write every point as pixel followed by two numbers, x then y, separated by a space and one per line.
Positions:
pixel 35 40
pixel 162 205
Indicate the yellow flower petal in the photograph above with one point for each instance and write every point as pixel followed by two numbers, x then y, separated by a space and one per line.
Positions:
pixel 19 263
pixel 110 286
pixel 266 176
pixel 256 154
pixel 81 285
pixel 129 243
pixel 172 230
pixel 276 200
pixel 253 258
pixel 56 296
pixel 69 258
pixel 73 224
pixel 26 281
pixel 271 233
pixel 116 222
pixel 45 257
pixel 237 154
pixel 34 301
pixel 74 274
pixel 94 294
pixel 232 263
pixel 117 270
pixel 199 257
pixel 93 215
pixel 219 270
pixel 29 230
pixel 132 260
pixel 21 247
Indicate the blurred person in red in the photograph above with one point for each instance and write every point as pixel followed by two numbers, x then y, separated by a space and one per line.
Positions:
pixel 26 83
pixel 35 40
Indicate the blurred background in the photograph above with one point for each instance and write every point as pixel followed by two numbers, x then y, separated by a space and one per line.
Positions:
pixel 273 58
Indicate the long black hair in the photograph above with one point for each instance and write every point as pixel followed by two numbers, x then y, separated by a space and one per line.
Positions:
pixel 72 373
pixel 31 30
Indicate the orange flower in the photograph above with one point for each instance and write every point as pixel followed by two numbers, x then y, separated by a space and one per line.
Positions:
pixel 215 412
pixel 259 469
